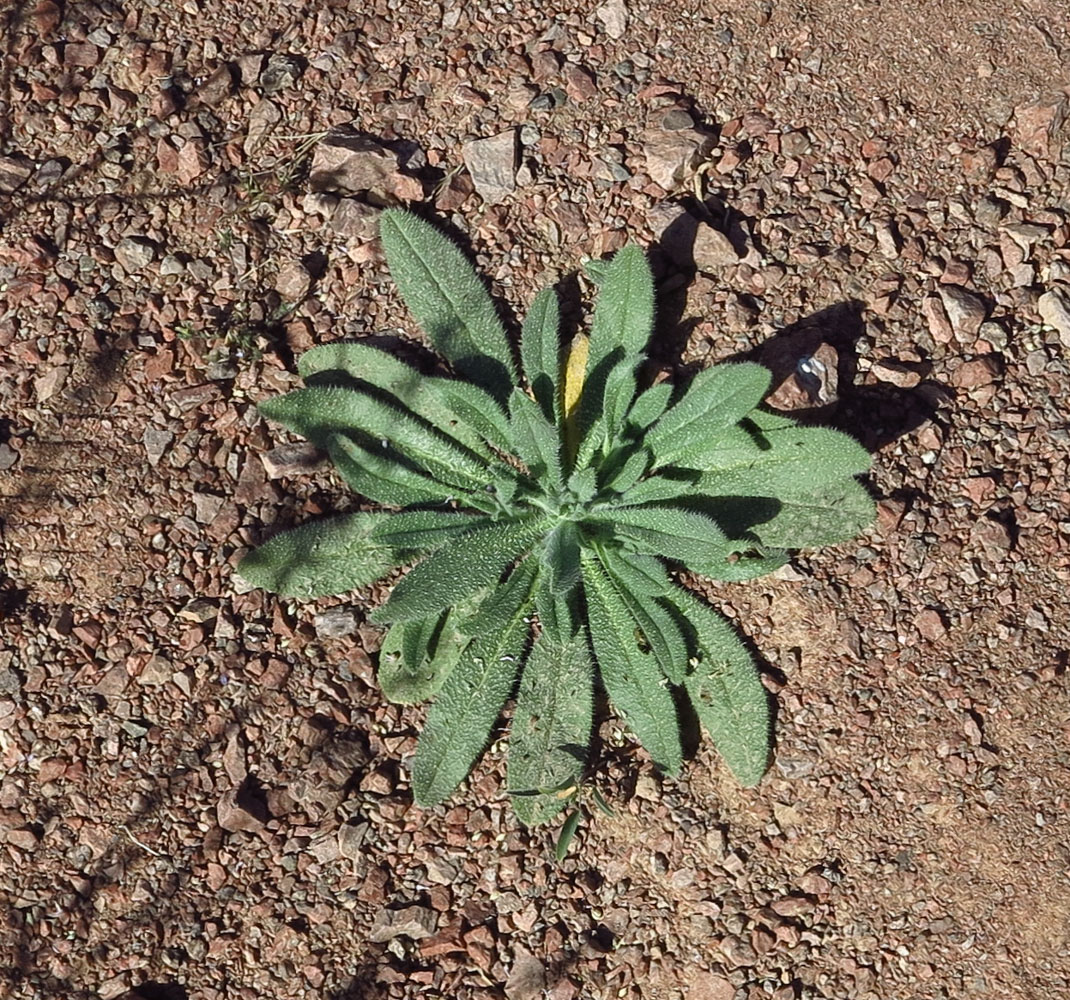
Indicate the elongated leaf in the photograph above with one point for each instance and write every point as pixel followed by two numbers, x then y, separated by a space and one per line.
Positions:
pixel 620 330
pixel 423 530
pixel 573 383
pixel 671 485
pixel 328 556
pixel 624 310
pixel 416 657
pixel 717 398
pixel 725 690
pixel 551 728
pixel 459 568
pixel 680 535
pixel 656 621
pixel 627 472
pixel 785 460
pixel 478 410
pixel 319 412
pixel 448 300
pixel 384 475
pixel 631 676
pixel 538 444
pixel 824 516
pixel 463 714
pixel 650 405
pixel 424 395
pixel 540 352
pixel 561 556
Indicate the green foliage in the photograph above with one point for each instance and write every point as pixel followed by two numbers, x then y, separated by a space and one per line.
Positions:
pixel 546 506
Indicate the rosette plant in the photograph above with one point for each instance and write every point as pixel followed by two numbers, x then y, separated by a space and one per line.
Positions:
pixel 547 502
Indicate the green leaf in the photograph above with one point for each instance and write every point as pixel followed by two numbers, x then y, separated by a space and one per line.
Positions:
pixel 448 300
pixel 561 556
pixel 624 310
pixel 540 352
pixel 681 535
pixel 470 702
pixel 654 619
pixel 628 471
pixel 424 395
pixel 384 475
pixel 826 515
pixel 321 558
pixel 649 405
pixel 416 657
pixel 717 398
pixel 620 330
pixel 459 568
pixel 673 484
pixel 782 460
pixel 317 413
pixel 631 676
pixel 538 444
pixel 551 727
pixel 478 410
pixel 726 692
pixel 567 834
pixel 422 530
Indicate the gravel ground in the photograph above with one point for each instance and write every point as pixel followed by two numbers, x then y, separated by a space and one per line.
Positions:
pixel 202 794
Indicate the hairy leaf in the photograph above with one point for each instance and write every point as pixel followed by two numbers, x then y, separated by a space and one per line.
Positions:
pixel 725 691
pixel 823 516
pixel 540 352
pixel 551 727
pixel 448 300
pixel 463 715
pixel 537 442
pixel 425 395
pixel 459 568
pixel 717 398
pixel 422 530
pixel 655 619
pixel 649 405
pixel 383 474
pixel 632 679
pixel 329 556
pixel 416 657
pixel 320 412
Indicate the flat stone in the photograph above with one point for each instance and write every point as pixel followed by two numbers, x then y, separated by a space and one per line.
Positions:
pixel 335 623
pixel 262 121
pixel 965 310
pixel 346 162
pixel 414 922
pixel 281 71
pixel 135 253
pixel 976 373
pixel 1054 308
pixel 84 54
pixel 217 87
pixel 156 443
pixel 713 250
pixel 896 374
pixel 614 17
pixel 527 978
pixel 492 164
pixel 8 457
pixel 14 172
pixel 355 220
pixel 51 382
pixel 291 459
pixel 939 325
pixel 293 281
pixel 671 157
pixel 805 372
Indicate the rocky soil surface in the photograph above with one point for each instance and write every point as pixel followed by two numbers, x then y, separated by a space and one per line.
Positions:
pixel 202 792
